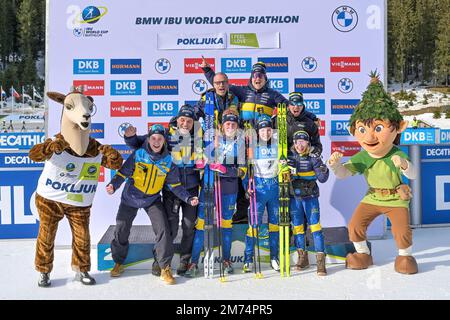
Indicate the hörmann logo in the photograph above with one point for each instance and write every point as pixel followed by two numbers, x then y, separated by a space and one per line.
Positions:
pixel 126 66
pixel 88 66
pixel 125 87
pixel 126 108
pixel 310 85
pixel 345 64
pixel 192 65
pixel 93 87
pixel 97 130
pixel 162 87
pixel 275 64
pixel 343 106
pixel 236 65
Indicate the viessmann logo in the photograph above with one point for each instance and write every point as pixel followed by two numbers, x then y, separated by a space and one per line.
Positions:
pixel 126 66
pixel 192 65
pixel 347 148
pixel 345 64
pixel 92 87
pixel 126 108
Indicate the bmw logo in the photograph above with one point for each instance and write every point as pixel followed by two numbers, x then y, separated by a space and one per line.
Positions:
pixel 309 64
pixel 345 85
pixel 122 128
pixel 344 18
pixel 92 14
pixel 199 86
pixel 94 110
pixel 78 32
pixel 92 169
pixel 70 167
pixel 162 65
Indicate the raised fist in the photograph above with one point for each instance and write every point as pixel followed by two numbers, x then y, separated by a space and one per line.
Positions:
pixel 130 131
pixel 108 151
pixel 204 64
pixel 335 158
pixel 399 162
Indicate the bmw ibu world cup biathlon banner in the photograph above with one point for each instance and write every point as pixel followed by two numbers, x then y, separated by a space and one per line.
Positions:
pixel 140 62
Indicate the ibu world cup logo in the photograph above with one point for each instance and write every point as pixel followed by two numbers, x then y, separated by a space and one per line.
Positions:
pixel 309 64
pixel 344 18
pixel 92 14
pixel 345 85
pixel 199 86
pixel 70 167
pixel 162 65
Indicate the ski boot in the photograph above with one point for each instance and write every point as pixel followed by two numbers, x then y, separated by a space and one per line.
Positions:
pixel 182 268
pixel 156 269
pixel 44 280
pixel 85 278
pixel 192 271
pixel 275 264
pixel 228 267
pixel 248 267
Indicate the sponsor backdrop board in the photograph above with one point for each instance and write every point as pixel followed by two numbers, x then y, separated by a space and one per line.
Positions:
pixel 140 61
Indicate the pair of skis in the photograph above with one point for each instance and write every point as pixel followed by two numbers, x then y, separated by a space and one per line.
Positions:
pixel 283 183
pixel 211 188
pixel 252 198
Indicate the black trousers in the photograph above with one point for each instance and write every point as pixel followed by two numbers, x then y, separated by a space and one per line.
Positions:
pixel 241 215
pixel 172 205
pixel 124 220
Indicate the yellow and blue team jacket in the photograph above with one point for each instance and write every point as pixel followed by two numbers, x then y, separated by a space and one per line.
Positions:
pixel 147 174
pixel 305 170
pixel 182 150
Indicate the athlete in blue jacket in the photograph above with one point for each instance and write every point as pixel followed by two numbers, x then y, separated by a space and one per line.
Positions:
pixel 148 170
pixel 230 165
pixel 265 164
pixel 305 170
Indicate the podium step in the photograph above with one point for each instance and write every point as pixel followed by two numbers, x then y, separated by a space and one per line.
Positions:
pixel 142 241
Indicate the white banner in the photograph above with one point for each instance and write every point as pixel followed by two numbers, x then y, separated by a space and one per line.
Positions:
pixel 325 49
pixel 182 41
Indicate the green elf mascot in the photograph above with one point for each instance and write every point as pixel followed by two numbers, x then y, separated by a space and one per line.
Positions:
pixel 377 125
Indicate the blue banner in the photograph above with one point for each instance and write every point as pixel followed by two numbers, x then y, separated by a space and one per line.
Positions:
pixel 418 136
pixel 17 220
pixel 20 140
pixel 436 192
pixel 18 160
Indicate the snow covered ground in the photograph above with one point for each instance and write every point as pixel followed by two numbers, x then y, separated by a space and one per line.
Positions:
pixel 18 280
pixel 435 99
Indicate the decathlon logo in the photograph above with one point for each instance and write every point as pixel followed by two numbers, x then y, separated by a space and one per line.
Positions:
pixel 199 86
pixel 344 18
pixel 162 65
pixel 122 128
pixel 309 64
pixel 345 85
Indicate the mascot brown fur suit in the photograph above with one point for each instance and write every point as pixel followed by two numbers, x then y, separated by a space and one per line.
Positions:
pixel 68 183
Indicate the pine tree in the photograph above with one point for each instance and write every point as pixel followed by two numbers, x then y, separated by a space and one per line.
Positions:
pixel 442 53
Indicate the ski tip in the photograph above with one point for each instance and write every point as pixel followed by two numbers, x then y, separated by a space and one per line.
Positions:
pixel 223 279
pixel 259 275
